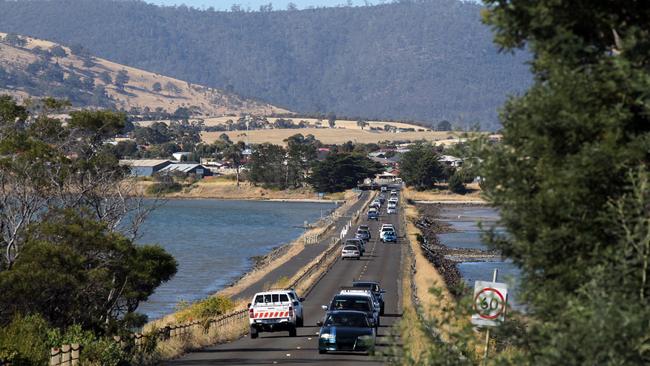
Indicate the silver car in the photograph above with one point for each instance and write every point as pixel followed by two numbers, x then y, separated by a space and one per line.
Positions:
pixel 350 251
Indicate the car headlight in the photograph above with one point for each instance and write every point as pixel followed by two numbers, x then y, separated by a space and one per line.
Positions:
pixel 328 337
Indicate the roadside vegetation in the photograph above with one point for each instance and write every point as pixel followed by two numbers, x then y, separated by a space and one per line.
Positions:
pixel 571 182
pixel 423 170
pixel 70 270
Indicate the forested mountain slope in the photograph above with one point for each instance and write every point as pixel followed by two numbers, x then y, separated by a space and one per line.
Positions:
pixel 429 60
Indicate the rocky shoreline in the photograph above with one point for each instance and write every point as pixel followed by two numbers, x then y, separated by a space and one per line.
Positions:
pixel 445 259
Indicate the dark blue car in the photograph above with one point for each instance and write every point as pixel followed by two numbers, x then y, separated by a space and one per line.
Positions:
pixel 347 331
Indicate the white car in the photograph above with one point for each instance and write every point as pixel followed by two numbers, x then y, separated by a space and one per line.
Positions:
pixel 393 200
pixel 350 252
pixel 391 209
pixel 274 311
pixel 385 228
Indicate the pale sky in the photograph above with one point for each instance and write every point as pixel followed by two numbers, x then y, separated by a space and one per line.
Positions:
pixel 255 4
pixel 277 4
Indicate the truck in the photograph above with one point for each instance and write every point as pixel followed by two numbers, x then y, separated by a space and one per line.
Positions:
pixel 275 311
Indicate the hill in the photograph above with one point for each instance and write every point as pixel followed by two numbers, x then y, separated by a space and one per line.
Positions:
pixel 32 67
pixel 427 60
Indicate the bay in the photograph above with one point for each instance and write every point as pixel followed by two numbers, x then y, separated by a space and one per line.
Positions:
pixel 214 240
pixel 467 234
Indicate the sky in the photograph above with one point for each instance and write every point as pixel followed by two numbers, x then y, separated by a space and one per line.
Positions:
pixel 277 4
pixel 255 4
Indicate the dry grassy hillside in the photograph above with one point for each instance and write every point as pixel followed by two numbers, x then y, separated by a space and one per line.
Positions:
pixel 138 91
pixel 348 124
pixel 312 122
pixel 333 136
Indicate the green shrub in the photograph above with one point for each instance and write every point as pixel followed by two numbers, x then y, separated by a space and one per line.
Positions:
pixel 210 307
pixel 164 188
pixel 26 341
pixel 456 184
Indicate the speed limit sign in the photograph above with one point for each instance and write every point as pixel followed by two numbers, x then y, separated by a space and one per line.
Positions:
pixel 490 303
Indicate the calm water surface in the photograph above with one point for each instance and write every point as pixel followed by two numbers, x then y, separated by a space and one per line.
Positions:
pixel 213 241
pixel 465 221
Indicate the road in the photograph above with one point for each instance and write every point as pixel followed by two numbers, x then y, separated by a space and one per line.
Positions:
pixel 382 262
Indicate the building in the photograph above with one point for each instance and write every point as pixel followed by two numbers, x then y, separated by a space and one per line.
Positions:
pixel 451 160
pixel 181 156
pixel 145 167
pixel 186 169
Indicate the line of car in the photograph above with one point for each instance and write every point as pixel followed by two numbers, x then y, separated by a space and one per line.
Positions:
pixel 352 316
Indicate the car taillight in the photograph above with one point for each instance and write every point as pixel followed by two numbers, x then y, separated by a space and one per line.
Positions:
pixel 290 311
pixel 251 313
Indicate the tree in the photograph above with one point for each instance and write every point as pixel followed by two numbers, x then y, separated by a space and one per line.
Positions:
pixel 362 124
pixel 339 172
pixel 105 77
pixel 267 166
pixel 126 149
pixel 301 154
pixel 58 51
pixel 65 202
pixel 74 270
pixel 121 79
pixel 14 40
pixel 156 87
pixel 331 120
pixel 420 166
pixel 570 145
pixel 172 88
pixel 456 183
pixel 225 138
pixel 79 50
pixel 443 125
pixel 234 153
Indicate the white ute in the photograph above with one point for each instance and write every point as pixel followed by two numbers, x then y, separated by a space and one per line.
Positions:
pixel 274 311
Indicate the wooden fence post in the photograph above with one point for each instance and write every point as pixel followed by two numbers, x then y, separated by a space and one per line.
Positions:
pixel 65 355
pixel 75 354
pixel 55 357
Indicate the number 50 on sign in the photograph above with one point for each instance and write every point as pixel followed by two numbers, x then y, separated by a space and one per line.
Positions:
pixel 490 302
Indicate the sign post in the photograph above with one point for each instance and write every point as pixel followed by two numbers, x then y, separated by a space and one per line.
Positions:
pixel 490 302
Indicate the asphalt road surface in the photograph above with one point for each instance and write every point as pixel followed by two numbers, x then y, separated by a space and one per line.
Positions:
pixel 381 262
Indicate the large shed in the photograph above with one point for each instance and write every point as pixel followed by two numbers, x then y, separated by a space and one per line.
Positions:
pixel 145 167
pixel 187 168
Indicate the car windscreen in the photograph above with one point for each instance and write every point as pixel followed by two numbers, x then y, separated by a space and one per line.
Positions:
pixel 350 247
pixel 271 298
pixel 372 286
pixel 347 320
pixel 351 303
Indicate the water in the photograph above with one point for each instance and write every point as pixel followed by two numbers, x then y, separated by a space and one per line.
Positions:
pixel 213 241
pixel 467 235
